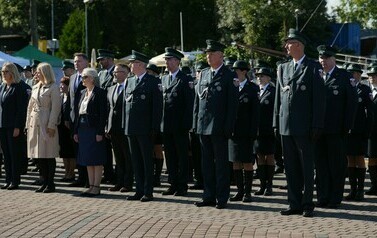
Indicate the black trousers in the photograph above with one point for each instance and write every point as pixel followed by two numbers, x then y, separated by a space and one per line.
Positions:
pixel 108 168
pixel 331 165
pixel 196 157
pixel 141 148
pixel 176 154
pixel 215 167
pixel 299 167
pixel 12 160
pixel 124 170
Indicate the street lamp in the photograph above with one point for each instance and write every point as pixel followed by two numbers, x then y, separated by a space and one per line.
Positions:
pixel 297 13
pixel 86 2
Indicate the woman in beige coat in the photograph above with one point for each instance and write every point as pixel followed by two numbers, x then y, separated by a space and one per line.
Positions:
pixel 42 119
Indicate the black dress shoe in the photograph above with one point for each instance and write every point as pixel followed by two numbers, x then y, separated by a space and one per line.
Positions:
pixel 146 198
pixel 125 190
pixel 221 205
pixel 49 189
pixel 39 190
pixel 5 186
pixel 196 186
pixel 205 204
pixel 308 213
pixel 13 187
pixel 279 170
pixel 181 193
pixel 321 204
pixel 37 182
pixel 135 197
pixel 115 188
pixel 289 212
pixel 169 191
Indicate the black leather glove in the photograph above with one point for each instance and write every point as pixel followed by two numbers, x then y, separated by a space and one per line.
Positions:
pixel 315 134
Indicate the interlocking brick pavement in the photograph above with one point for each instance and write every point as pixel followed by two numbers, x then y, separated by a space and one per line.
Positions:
pixel 24 213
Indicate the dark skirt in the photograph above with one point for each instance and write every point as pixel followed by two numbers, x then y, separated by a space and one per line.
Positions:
pixel 66 142
pixel 241 150
pixel 372 147
pixel 91 152
pixel 356 145
pixel 265 145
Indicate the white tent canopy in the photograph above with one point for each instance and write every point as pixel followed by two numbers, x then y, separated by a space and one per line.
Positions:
pixel 160 61
pixel 8 58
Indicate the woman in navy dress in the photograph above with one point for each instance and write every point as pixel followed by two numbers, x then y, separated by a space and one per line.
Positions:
pixel 357 140
pixel 89 129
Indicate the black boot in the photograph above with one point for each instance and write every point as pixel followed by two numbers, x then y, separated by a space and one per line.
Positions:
pixel 238 178
pixel 353 183
pixel 51 165
pixel 248 185
pixel 270 171
pixel 373 181
pixel 262 170
pixel 158 163
pixel 43 171
pixel 360 184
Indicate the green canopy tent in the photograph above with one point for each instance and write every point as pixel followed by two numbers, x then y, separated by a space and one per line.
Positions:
pixel 32 53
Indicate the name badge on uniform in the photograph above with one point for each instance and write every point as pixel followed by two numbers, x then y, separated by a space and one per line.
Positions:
pixel 142 96
pixel 303 87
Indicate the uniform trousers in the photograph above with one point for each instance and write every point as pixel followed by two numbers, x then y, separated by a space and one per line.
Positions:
pixel 12 161
pixel 331 165
pixel 141 148
pixel 215 167
pixel 299 167
pixel 125 174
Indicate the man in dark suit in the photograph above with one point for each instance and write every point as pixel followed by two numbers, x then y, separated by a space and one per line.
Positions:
pixel 178 98
pixel 215 110
pixel 115 130
pixel 143 109
pixel 106 80
pixel 330 156
pixel 75 88
pixel 299 113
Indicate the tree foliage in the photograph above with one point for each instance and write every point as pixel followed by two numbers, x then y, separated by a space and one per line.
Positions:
pixel 363 12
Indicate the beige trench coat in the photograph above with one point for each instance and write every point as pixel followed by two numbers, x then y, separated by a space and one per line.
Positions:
pixel 43 112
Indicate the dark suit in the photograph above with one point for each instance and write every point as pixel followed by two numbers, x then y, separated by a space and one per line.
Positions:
pixel 143 109
pixel 331 161
pixel 215 111
pixel 119 141
pixel 299 113
pixel 178 98
pixel 13 104
pixel 246 126
pixel 106 80
pixel 372 142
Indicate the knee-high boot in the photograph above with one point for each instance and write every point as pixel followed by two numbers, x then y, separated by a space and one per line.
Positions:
pixel 248 185
pixel 373 181
pixel 43 171
pixel 270 170
pixel 51 165
pixel 238 178
pixel 262 170
pixel 360 184
pixel 353 183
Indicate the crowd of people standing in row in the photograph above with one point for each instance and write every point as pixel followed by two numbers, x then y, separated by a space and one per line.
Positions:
pixel 322 115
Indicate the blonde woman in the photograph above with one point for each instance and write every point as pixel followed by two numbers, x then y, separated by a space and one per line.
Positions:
pixel 13 101
pixel 89 129
pixel 43 115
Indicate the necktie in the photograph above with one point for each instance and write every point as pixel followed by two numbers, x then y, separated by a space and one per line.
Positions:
pixel 170 78
pixel 295 66
pixel 137 80
pixel 120 87
pixel 77 82
pixel 327 76
pixel 213 74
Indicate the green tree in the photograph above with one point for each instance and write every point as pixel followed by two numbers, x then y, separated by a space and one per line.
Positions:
pixel 363 12
pixel 72 38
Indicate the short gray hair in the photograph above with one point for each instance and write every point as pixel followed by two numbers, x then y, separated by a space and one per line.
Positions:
pixel 91 73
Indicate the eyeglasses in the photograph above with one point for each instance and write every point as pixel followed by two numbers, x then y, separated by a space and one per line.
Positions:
pixel 115 72
pixel 4 71
pixel 85 76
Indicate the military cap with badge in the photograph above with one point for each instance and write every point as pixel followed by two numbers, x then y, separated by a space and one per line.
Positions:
pixel 66 64
pixel 173 53
pixel 137 56
pixel 213 46
pixel 326 51
pixel 105 53
pixel 294 34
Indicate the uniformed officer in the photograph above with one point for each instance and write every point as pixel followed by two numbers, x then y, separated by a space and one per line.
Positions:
pixel 158 155
pixel 106 80
pixel 143 111
pixel 229 61
pixel 115 130
pixel 330 157
pixel 357 140
pixel 240 145
pixel 215 110
pixel 178 98
pixel 68 68
pixel 299 116
pixel 372 142
pixel 265 143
